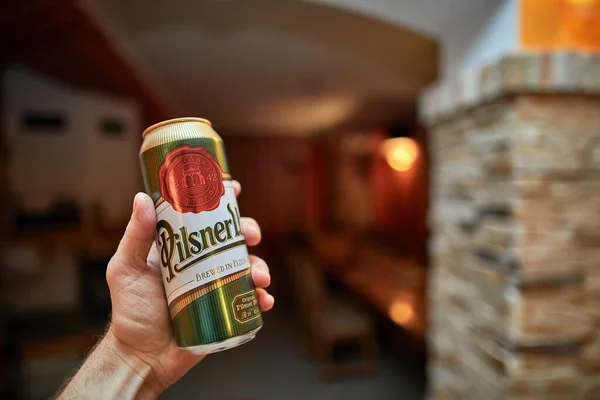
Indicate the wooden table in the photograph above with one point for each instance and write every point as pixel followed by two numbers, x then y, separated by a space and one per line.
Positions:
pixel 56 333
pixel 393 285
pixel 76 239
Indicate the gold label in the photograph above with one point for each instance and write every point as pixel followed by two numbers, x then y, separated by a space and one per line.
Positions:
pixel 245 307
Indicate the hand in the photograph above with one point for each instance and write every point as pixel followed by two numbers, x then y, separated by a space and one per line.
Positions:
pixel 140 324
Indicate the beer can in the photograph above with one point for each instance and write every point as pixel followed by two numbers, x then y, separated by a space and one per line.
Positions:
pixel 202 251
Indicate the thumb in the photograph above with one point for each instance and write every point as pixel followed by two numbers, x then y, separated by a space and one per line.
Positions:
pixel 139 234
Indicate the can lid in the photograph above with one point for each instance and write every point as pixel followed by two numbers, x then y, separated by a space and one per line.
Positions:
pixel 175 121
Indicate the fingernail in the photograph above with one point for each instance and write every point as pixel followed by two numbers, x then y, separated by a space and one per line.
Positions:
pixel 136 201
pixel 262 267
pixel 253 230
pixel 253 226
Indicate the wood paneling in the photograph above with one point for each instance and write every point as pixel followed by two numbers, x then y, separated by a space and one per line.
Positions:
pixel 401 201
pixel 398 201
pixel 5 384
pixel 273 173
pixel 289 185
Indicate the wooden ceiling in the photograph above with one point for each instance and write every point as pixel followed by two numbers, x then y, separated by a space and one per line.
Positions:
pixel 59 39
pixel 273 67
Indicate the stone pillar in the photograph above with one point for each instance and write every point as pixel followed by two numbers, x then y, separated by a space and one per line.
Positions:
pixel 514 291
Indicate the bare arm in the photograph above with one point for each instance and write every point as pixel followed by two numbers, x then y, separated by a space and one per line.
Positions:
pixel 138 357
pixel 112 372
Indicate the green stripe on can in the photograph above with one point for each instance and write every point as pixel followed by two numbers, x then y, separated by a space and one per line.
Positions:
pixel 229 311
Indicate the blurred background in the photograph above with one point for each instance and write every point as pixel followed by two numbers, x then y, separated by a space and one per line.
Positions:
pixel 424 173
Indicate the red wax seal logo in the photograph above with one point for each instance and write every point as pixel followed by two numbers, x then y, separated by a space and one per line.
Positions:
pixel 191 180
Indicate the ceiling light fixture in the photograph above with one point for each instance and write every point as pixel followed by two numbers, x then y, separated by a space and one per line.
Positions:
pixel 400 150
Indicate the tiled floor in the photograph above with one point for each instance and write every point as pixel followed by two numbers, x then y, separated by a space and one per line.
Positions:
pixel 271 367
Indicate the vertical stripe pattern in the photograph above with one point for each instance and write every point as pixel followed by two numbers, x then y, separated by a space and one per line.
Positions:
pixel 212 317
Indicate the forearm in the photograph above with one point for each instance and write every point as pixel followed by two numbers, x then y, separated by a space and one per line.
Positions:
pixel 111 372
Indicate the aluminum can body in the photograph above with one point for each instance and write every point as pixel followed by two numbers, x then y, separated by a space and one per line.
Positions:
pixel 202 251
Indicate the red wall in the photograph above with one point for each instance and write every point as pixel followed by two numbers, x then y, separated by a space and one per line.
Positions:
pixel 401 200
pixel 287 184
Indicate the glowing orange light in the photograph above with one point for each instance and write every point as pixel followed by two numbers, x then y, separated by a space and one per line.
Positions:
pixel 400 153
pixel 401 312
pixel 581 2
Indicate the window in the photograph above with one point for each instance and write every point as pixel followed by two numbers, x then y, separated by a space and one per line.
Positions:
pixel 112 127
pixel 44 122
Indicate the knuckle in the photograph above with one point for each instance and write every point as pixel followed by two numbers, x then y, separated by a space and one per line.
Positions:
pixel 113 270
pixel 110 271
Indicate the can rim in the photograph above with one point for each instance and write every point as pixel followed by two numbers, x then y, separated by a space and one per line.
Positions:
pixel 175 120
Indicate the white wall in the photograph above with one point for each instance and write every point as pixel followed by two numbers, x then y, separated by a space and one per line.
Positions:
pixel 81 163
pixel 40 167
pixel 112 170
pixel 469 31
pixel 498 36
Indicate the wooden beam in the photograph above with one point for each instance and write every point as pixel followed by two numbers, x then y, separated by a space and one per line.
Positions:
pixel 29 9
pixel 19 31
pixel 410 56
pixel 60 39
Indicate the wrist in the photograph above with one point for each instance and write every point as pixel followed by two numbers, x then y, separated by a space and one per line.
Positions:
pixel 140 372
pixel 112 371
